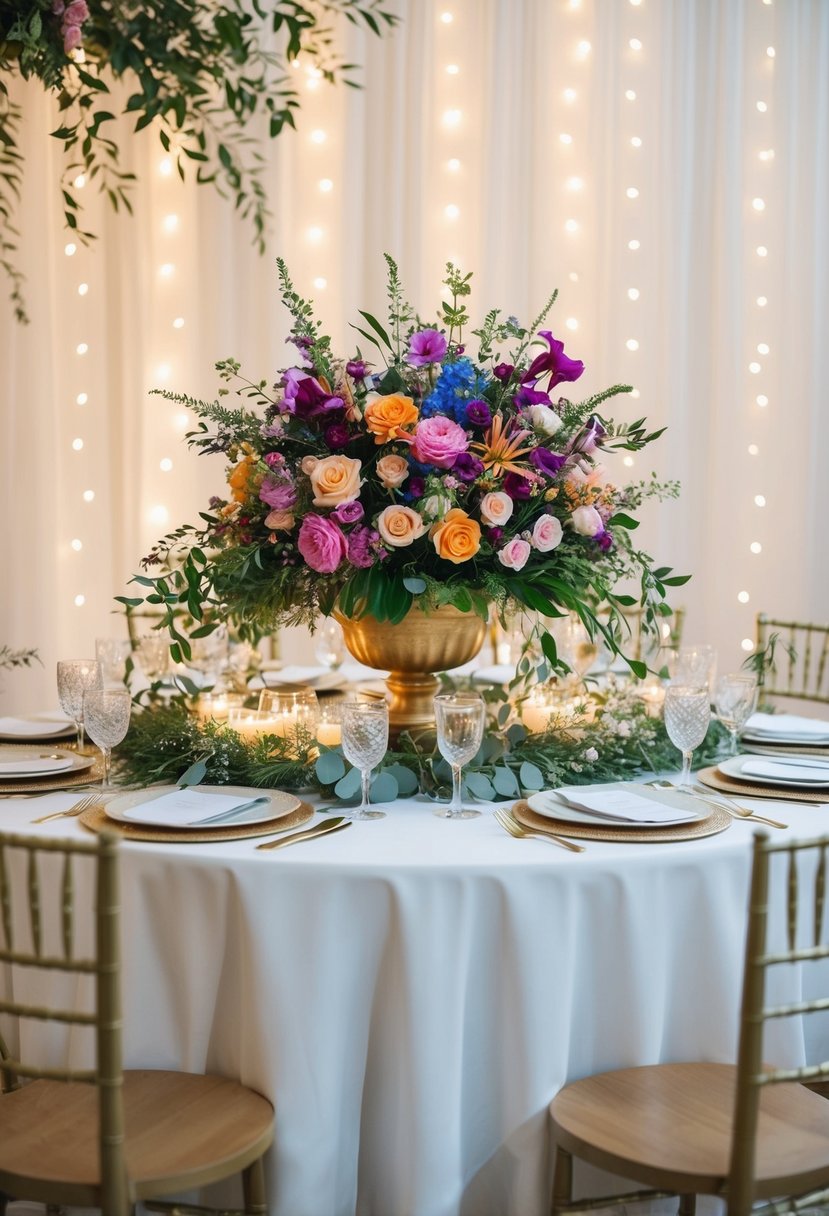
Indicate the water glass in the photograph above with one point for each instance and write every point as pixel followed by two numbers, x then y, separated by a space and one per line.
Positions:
pixel 154 656
pixel 365 739
pixel 75 677
pixel 735 699
pixel 330 647
pixel 112 654
pixel 695 666
pixel 687 714
pixel 107 716
pixel 460 728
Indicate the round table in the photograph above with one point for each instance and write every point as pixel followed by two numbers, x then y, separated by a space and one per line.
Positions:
pixel 411 993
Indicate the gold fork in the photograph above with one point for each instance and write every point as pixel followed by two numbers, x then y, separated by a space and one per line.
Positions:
pixel 518 830
pixel 732 808
pixel 73 811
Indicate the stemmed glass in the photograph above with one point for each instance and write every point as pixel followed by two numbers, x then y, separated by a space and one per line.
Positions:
pixel 154 656
pixel 365 740
pixel 460 729
pixel 695 666
pixel 330 648
pixel 75 677
pixel 107 715
pixel 112 654
pixel 687 714
pixel 735 699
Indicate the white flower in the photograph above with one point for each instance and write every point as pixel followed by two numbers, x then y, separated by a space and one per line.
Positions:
pixel 587 521
pixel 591 754
pixel 546 533
pixel 435 506
pixel 542 418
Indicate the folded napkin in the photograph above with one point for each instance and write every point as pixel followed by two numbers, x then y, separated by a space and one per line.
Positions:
pixel 785 770
pixel 33 768
pixel 625 806
pixel 189 808
pixel 25 728
pixel 784 726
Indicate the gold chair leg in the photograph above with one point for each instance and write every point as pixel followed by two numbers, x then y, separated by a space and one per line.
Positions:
pixel 562 1181
pixel 687 1205
pixel 253 1184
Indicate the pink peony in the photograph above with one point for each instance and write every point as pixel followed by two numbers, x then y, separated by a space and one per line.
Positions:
pixel 72 38
pixel 515 553
pixel 547 533
pixel 439 441
pixel 76 13
pixel 321 543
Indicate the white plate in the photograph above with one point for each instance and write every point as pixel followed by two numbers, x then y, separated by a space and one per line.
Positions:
pixel 545 803
pixel 733 767
pixel 49 761
pixel 797 740
pixel 278 804
pixel 19 729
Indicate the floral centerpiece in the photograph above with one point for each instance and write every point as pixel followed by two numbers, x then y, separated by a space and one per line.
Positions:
pixel 427 470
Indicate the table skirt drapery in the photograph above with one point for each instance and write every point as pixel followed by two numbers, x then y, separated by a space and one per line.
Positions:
pixel 412 993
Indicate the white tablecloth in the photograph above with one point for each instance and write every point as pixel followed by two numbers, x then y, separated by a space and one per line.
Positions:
pixel 411 993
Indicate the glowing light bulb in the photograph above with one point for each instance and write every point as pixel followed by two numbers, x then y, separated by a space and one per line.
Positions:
pixel 76 544
pixel 630 94
pixel 762 252
pixel 633 293
pixel 571 323
pixel 583 49
pixel 162 372
pixel 635 141
pixel 318 137
pixel 770 51
pixel 451 211
pixel 574 184
pixel 762 107
pixel 754 368
pixel 762 399
pixel 573 277
pixel 453 165
pixel 181 422
pixel 766 154
pixel 634 245
pixel 314 235
pixel 167 270
pixel 635 44
pixel 165 465
pixel 159 514
pixel 759 500
pixel 634 392
pixel 571 226
pixel 763 348
pixel 758 204
pixel 569 96
pixel 632 344
pixel 756 547
pixel 628 462
pixel 77 445
pixel 81 399
pixel 83 288
pixel 89 495
pixel 70 249
pixel 178 323
pixel 743 597
pixel 636 3
pixel 326 185
pixel 565 138
pixel 753 449
pixel 170 223
pixel 79 182
pixel 761 301
pixel 165 166
pixel 447 18
pixel 747 644
pixel 452 69
pixel 320 283
pixel 80 600
pixel 452 118
pixel 82 348
pixel 632 192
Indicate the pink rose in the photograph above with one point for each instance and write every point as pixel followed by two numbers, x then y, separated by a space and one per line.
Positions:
pixel 547 533
pixel 76 13
pixel 515 553
pixel 587 521
pixel 496 508
pixel 321 543
pixel 439 441
pixel 72 38
pixel 280 521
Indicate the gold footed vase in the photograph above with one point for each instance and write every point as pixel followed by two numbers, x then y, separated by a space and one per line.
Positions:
pixel 421 644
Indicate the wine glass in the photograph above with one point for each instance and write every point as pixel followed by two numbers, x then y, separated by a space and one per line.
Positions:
pixel 75 677
pixel 330 648
pixel 112 654
pixel 365 739
pixel 695 666
pixel 687 714
pixel 460 728
pixel 208 655
pixel 735 699
pixel 154 656
pixel 107 715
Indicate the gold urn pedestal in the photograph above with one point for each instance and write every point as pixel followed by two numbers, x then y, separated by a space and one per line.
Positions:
pixel 412 651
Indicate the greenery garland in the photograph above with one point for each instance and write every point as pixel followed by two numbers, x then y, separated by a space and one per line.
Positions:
pixel 167 743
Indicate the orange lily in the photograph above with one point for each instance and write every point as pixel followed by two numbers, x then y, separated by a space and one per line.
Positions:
pixel 501 448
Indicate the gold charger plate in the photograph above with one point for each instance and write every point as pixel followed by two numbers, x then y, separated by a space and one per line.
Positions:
pixel 716 822
pixel 97 820
pixel 715 780
pixel 66 779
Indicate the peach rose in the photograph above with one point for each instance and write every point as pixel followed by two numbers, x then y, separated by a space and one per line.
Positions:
pixel 399 526
pixel 335 479
pixel 308 464
pixel 456 537
pixel 392 471
pixel 280 521
pixel 386 417
pixel 496 508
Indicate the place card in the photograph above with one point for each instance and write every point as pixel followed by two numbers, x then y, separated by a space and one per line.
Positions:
pixel 626 805
pixel 189 808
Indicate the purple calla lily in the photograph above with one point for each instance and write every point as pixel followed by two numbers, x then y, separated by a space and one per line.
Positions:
pixel 553 361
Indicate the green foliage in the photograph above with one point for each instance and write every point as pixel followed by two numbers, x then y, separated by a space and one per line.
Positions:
pixel 206 75
pixel 10 659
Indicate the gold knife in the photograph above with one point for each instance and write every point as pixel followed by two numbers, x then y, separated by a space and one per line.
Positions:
pixel 320 829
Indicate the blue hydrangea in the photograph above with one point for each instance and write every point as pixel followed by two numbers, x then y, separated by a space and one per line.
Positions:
pixel 458 383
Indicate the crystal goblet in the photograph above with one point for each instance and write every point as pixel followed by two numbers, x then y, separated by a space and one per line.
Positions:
pixel 460 728
pixel 107 717
pixel 687 714
pixel 330 647
pixel 75 677
pixel 735 699
pixel 365 740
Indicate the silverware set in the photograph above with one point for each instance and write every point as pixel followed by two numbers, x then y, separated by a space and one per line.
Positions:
pixel 516 829
pixel 702 794
pixel 72 812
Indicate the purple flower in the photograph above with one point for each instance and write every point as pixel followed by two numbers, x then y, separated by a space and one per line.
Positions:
pixel 415 488
pixel 467 467
pixel 336 435
pixel 426 346
pixel 589 438
pixel 478 413
pixel 494 534
pixel 517 486
pixel 604 540
pixel 280 495
pixel 273 459
pixel 361 547
pixel 547 462
pixel 553 361
pixel 305 396
pixel 503 371
pixel 348 512
pixel 527 395
pixel 356 369
pixel 459 350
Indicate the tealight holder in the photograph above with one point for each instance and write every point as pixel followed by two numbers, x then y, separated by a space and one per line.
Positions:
pixel 289 710
pixel 652 693
pixel 553 706
pixel 329 725
pixel 215 706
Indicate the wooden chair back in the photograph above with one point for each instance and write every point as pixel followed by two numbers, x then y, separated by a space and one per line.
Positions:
pixel 752 1074
pixel 804 671
pixel 105 1018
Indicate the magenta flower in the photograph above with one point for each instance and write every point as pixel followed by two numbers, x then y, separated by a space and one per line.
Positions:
pixel 274 459
pixel 426 346
pixel 356 369
pixel 547 462
pixel 348 512
pixel 439 441
pixel 528 396
pixel 305 396
pixel 517 486
pixel 503 372
pixel 478 413
pixel 321 543
pixel 278 493
pixel 362 547
pixel 336 436
pixel 553 361
pixel 588 439
pixel 467 467
pixel 76 13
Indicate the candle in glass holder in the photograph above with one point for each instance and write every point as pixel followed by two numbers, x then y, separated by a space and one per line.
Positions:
pixel 652 693
pixel 548 705
pixel 251 724
pixel 216 705
pixel 290 711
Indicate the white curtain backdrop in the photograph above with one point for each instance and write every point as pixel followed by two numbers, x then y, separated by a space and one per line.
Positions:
pixel 665 163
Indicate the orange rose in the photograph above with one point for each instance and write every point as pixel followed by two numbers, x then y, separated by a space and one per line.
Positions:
pixel 280 521
pixel 399 526
pixel 456 537
pixel 386 416
pixel 392 471
pixel 335 479
pixel 239 477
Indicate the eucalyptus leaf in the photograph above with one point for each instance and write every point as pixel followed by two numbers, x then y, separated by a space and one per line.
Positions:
pixel 349 785
pixel 505 782
pixel 384 787
pixel 479 786
pixel 330 767
pixel 194 775
pixel 406 779
pixel 531 778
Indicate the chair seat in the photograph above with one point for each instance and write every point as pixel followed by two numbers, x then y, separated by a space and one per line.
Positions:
pixel 669 1126
pixel 182 1130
